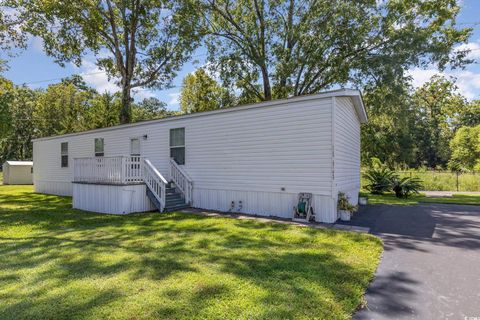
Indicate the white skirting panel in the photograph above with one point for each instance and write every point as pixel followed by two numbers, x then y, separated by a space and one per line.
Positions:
pixel 277 204
pixel 111 199
pixel 59 188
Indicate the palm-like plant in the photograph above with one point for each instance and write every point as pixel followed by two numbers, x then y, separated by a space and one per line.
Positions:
pixel 404 187
pixel 380 180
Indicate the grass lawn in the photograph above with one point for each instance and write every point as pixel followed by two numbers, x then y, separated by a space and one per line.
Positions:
pixel 61 263
pixel 390 199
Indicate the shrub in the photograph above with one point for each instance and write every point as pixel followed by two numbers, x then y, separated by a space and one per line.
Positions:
pixel 344 203
pixel 404 187
pixel 379 180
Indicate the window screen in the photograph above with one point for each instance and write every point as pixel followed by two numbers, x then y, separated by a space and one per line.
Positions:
pixel 99 145
pixel 177 145
pixel 64 154
pixel 135 147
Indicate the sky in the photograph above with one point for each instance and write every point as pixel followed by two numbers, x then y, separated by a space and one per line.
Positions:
pixel 36 69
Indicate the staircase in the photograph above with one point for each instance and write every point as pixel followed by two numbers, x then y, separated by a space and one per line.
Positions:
pixel 167 196
pixel 174 200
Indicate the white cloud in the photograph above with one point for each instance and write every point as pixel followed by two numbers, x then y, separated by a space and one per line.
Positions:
pixel 420 76
pixel 97 78
pixel 174 99
pixel 474 48
pixel 468 82
pixel 141 94
pixel 36 43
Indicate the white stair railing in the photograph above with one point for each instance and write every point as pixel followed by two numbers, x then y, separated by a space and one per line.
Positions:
pixel 182 181
pixel 155 182
pixel 109 170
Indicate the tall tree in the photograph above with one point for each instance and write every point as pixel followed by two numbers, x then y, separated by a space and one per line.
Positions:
pixel 15 142
pixel 103 111
pixel 293 47
pixel 62 109
pixel 466 149
pixel 142 43
pixel 389 133
pixel 437 105
pixel 149 109
pixel 200 92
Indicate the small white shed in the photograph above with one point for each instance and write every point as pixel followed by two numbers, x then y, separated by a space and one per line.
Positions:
pixel 18 172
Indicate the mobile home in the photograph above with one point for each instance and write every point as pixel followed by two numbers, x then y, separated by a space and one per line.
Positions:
pixel 252 159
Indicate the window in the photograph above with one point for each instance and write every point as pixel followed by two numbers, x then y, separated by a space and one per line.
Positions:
pixel 64 154
pixel 135 147
pixel 177 145
pixel 99 145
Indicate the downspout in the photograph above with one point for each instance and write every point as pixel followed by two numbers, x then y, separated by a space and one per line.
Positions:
pixel 333 189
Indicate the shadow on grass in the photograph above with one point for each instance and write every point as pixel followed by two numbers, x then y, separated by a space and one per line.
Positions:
pixel 57 262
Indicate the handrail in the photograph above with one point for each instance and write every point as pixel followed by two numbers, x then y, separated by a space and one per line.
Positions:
pixel 155 182
pixel 182 181
pixel 114 170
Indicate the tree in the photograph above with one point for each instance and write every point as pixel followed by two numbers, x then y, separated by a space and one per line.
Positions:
pixel 149 109
pixel 103 111
pixel 16 137
pixel 293 47
pixel 11 31
pixel 141 43
pixel 389 133
pixel 465 147
pixel 200 92
pixel 469 115
pixel 62 108
pixel 437 105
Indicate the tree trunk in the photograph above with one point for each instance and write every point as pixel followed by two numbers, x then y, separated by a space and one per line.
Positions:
pixel 267 90
pixel 125 114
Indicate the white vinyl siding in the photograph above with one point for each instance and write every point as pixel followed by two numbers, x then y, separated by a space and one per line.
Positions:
pixel 347 148
pixel 261 156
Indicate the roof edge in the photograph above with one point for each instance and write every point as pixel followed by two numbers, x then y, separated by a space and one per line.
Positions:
pixel 333 93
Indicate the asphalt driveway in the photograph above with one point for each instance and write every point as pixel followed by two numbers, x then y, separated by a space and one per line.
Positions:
pixel 430 268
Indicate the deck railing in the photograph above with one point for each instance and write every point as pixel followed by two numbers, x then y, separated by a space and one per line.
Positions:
pixel 155 182
pixel 112 170
pixel 182 181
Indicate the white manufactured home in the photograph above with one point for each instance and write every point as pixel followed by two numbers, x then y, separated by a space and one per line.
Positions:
pixel 253 159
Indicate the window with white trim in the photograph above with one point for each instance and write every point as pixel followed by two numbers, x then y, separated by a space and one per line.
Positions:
pixel 64 154
pixel 99 147
pixel 177 145
pixel 135 147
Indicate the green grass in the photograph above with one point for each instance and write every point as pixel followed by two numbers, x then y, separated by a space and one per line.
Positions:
pixel 61 263
pixel 440 180
pixel 390 199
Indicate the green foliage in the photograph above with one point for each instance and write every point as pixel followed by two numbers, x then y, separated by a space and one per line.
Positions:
pixel 66 107
pixel 405 186
pixel 200 92
pixel 60 263
pixel 413 128
pixel 139 43
pixel 436 104
pixel 391 199
pixel 465 147
pixel 343 203
pixel 277 43
pixel 19 129
pixel 379 180
pixel 149 109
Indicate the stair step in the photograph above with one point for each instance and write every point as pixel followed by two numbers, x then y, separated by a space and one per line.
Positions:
pixel 176 208
pixel 174 197
pixel 174 203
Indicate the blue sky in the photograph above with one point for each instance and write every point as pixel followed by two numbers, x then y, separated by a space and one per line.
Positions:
pixel 36 69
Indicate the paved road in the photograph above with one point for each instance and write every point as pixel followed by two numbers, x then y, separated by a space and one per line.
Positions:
pixel 430 268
